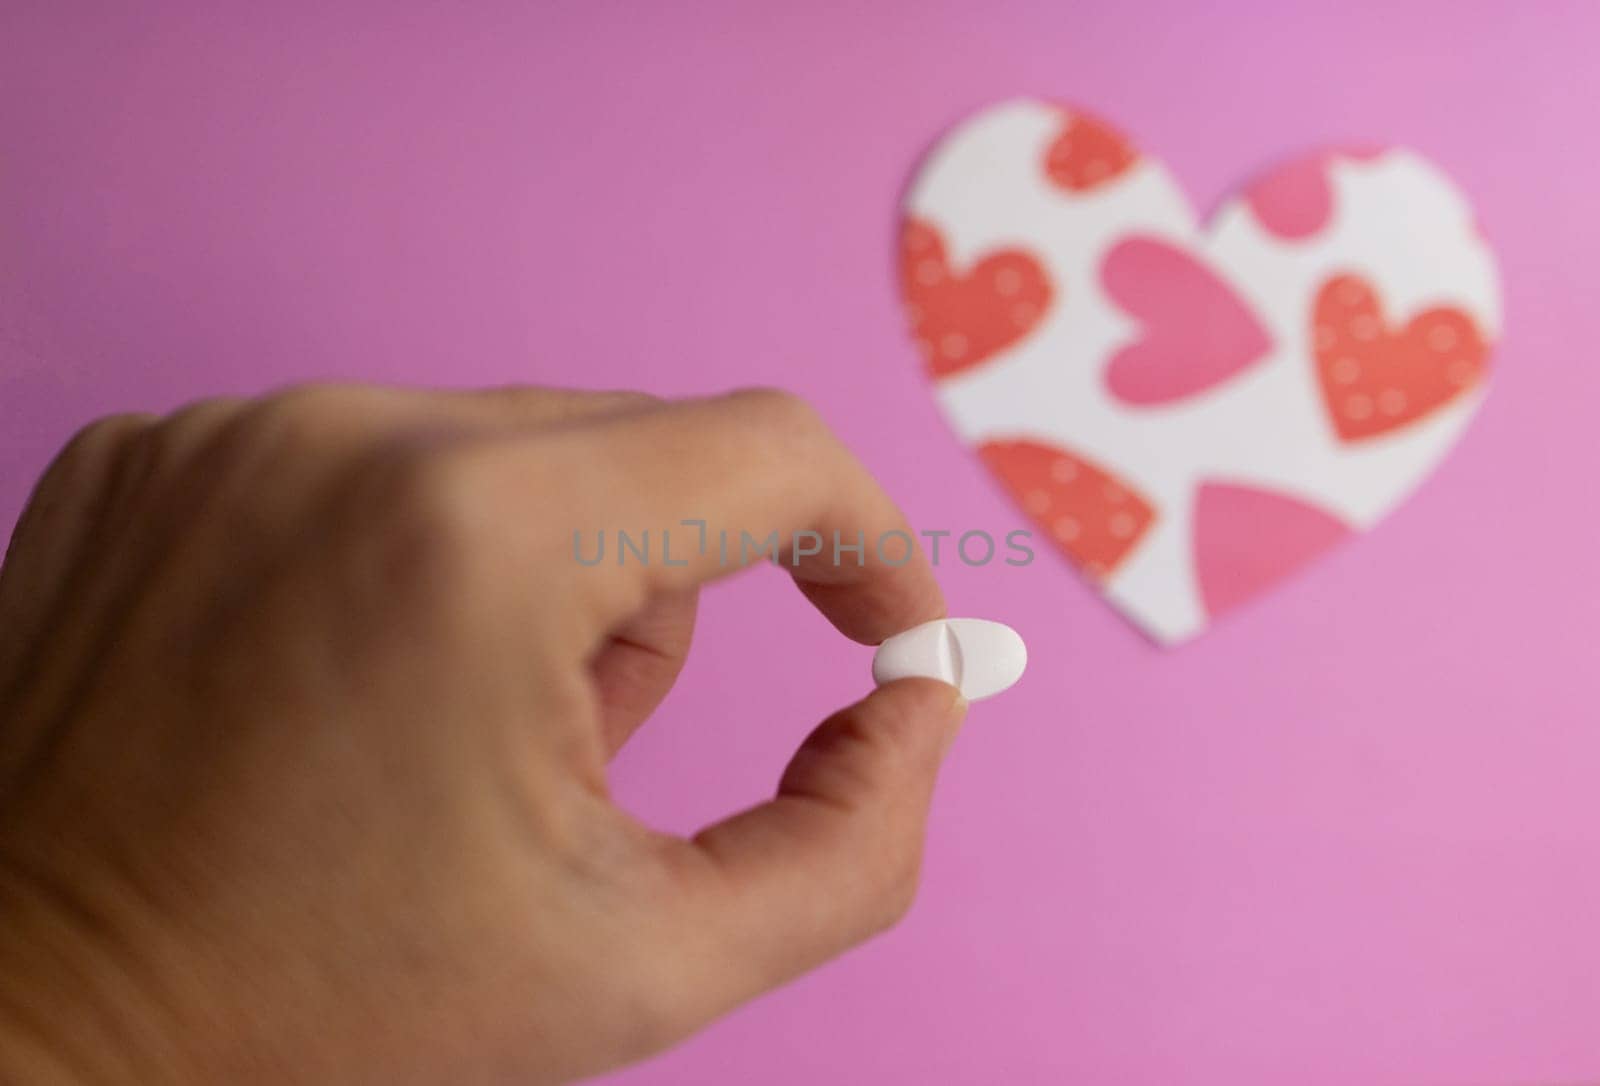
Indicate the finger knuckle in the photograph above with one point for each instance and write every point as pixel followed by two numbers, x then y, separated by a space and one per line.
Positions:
pixel 433 488
pixel 102 437
pixel 177 439
pixel 423 508
pixel 204 417
pixel 300 415
pixel 94 451
pixel 780 410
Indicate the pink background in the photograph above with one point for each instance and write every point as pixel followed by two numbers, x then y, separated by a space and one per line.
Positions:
pixel 1350 835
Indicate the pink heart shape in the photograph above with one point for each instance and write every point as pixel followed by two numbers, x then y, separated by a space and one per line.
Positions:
pixel 1295 201
pixel 1247 539
pixel 1197 332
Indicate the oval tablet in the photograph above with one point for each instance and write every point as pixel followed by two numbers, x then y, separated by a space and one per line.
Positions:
pixel 978 657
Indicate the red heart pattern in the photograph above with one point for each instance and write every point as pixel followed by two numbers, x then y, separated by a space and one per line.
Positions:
pixel 1201 414
pixel 960 320
pixel 1375 379
pixel 1090 515
pixel 1087 153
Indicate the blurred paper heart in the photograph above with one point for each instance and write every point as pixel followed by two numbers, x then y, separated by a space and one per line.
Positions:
pixel 1189 414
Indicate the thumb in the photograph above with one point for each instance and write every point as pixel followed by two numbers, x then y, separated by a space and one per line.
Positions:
pixel 834 857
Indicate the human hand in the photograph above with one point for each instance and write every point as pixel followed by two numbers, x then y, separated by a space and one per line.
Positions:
pixel 305 707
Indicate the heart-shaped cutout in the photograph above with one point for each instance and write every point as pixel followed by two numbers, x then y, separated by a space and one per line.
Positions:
pixel 1190 413
pixel 1197 332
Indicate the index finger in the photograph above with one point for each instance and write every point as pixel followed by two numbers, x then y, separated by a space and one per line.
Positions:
pixel 754 468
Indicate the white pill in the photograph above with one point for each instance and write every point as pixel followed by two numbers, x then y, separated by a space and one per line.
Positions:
pixel 978 657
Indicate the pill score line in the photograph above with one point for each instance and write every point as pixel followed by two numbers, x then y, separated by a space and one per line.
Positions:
pixel 979 657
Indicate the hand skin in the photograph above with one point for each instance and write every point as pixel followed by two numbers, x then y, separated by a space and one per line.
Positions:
pixel 305 709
